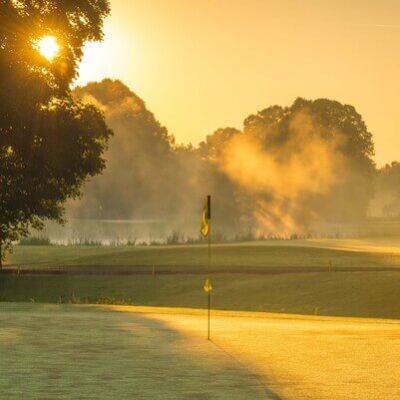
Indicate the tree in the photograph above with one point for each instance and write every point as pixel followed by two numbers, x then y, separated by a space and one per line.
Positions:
pixel 49 143
pixel 296 135
pixel 387 191
pixel 139 159
pixel 294 170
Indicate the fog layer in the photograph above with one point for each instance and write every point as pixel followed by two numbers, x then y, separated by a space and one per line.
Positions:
pixel 287 171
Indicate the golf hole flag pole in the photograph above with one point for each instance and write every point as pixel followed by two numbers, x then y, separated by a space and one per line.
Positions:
pixel 206 232
pixel 208 289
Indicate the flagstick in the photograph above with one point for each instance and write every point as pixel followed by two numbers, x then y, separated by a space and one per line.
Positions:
pixel 206 231
pixel 208 273
pixel 209 248
pixel 209 312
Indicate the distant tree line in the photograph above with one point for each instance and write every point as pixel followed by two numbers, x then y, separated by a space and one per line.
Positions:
pixel 288 167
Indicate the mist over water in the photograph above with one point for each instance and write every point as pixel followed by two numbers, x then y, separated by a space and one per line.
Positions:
pixel 301 170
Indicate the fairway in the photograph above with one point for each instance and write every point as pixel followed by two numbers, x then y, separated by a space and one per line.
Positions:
pixel 362 294
pixel 258 255
pixel 336 277
pixel 102 352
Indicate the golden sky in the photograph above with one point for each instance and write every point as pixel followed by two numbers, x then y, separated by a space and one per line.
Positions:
pixel 205 64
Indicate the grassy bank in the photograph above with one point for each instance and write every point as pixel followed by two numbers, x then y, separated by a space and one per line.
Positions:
pixel 333 284
pixel 365 294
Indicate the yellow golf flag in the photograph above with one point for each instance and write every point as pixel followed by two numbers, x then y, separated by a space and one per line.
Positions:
pixel 205 218
pixel 207 286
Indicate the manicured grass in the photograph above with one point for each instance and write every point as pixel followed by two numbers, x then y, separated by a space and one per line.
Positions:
pixel 53 352
pixel 270 254
pixel 366 294
pixel 323 289
pixel 83 352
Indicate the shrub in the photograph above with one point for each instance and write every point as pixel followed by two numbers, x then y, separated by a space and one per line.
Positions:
pixel 35 241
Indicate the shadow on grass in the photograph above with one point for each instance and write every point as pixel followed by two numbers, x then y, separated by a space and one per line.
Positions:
pixel 269 394
pixel 225 374
pixel 79 352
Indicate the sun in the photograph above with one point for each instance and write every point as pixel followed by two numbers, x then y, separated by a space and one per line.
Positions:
pixel 48 47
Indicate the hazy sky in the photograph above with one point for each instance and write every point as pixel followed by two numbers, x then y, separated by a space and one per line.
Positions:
pixel 205 64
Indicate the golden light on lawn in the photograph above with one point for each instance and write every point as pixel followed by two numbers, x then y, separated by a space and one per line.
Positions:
pixel 48 47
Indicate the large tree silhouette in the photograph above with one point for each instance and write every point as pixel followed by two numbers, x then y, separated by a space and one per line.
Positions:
pixel 49 143
pixel 148 176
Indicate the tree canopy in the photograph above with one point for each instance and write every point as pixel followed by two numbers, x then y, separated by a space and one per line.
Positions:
pixel 49 142
pixel 327 143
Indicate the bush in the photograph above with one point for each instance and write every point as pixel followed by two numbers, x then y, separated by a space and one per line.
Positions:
pixel 85 242
pixel 35 241
pixel 174 238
